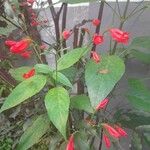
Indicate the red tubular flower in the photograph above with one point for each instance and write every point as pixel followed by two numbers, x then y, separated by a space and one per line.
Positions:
pixel 119 35
pixel 95 56
pixel 97 39
pixel 26 54
pixel 70 145
pixel 10 43
pixel 20 46
pixel 102 104
pixel 111 130
pixel 66 34
pixel 106 141
pixel 120 131
pixel 29 74
pixel 96 22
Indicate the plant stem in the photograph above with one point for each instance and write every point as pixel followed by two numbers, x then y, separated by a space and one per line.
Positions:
pixel 100 13
pixel 55 17
pixel 84 21
pixel 53 12
pixel 101 139
pixel 113 9
pixel 133 11
pixel 118 8
pixel 64 18
pixel 75 41
pixel 113 19
pixel 11 22
pixel 37 54
pixel 141 9
pixel 82 34
pixel 7 78
pixel 56 69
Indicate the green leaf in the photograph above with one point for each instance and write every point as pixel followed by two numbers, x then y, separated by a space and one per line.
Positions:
pixel 136 142
pixel 33 134
pixel 101 78
pixel 43 68
pixel 59 77
pixel 132 118
pixel 70 73
pixel 23 91
pixel 17 73
pixel 57 104
pixel 54 140
pixel 141 42
pixel 81 142
pixel 81 102
pixel 7 30
pixel 139 95
pixel 16 4
pixel 141 56
pixel 144 130
pixel 147 137
pixel 71 58
pixel 77 1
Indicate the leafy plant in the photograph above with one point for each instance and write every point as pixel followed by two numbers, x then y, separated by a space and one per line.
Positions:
pixel 70 100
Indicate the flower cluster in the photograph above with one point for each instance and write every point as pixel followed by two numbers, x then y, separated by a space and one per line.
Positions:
pixel 97 39
pixel 119 36
pixel 113 132
pixel 34 21
pixel 20 47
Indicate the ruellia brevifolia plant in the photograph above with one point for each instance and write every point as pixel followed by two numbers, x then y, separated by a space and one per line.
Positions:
pixel 74 95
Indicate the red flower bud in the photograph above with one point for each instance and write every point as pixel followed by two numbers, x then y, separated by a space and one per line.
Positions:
pixel 119 35
pixel 66 34
pixel 111 130
pixel 97 39
pixel 29 74
pixel 70 145
pixel 102 104
pixel 26 54
pixel 10 43
pixel 96 22
pixel 95 56
pixel 120 131
pixel 106 141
